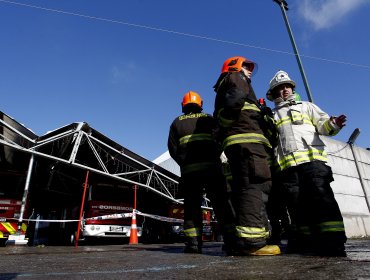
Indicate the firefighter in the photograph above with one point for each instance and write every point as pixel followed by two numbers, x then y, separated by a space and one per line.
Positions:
pixel 316 221
pixel 242 130
pixel 276 210
pixel 192 145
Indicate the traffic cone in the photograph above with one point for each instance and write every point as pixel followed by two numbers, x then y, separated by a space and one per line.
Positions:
pixel 133 231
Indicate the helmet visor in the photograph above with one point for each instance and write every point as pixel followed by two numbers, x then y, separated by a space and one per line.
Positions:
pixel 250 66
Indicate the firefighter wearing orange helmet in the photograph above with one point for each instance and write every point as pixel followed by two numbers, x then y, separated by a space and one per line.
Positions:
pixel 242 130
pixel 192 145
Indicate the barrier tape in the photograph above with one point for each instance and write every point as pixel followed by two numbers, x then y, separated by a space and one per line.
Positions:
pixel 111 216
pixel 42 220
pixel 160 218
pixel 107 217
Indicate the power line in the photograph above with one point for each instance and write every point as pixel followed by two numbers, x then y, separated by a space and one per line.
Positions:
pixel 181 33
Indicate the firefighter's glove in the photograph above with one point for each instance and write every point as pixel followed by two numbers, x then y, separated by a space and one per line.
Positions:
pixel 267 111
pixel 272 131
pixel 216 134
pixel 339 121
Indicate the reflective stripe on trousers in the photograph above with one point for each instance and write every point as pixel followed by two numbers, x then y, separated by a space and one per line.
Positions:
pixel 251 232
pixel 331 226
pixel 192 232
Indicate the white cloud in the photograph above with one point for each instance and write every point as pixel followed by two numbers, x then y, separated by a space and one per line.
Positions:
pixel 327 13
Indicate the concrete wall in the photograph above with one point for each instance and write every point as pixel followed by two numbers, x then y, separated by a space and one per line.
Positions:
pixel 347 187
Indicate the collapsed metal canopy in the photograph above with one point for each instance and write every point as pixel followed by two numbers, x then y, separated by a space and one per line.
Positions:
pixel 83 147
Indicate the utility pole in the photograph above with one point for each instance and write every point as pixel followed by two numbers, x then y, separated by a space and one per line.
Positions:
pixel 284 7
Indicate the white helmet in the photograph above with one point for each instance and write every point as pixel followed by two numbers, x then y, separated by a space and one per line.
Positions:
pixel 281 77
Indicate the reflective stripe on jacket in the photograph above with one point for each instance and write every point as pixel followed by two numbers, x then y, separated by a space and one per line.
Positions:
pixel 191 142
pixel 300 125
pixel 257 138
pixel 237 112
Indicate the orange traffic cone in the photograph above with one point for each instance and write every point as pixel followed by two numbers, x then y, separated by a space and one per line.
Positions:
pixel 133 231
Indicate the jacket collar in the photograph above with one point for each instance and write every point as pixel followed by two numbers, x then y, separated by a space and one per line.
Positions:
pixel 280 102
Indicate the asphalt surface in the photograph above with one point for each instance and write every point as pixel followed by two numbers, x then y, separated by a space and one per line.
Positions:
pixel 167 261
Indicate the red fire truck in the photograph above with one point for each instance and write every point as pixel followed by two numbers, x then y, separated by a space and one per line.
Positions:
pixel 13 172
pixel 9 214
pixel 210 232
pixel 104 202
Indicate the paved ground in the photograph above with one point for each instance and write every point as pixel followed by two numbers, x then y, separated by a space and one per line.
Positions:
pixel 163 261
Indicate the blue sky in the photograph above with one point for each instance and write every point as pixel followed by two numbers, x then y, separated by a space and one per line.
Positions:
pixel 123 66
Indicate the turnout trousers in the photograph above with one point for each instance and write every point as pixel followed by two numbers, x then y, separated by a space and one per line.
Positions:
pixel 251 183
pixel 314 212
pixel 195 184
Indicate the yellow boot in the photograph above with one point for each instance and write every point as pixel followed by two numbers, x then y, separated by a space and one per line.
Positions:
pixel 267 250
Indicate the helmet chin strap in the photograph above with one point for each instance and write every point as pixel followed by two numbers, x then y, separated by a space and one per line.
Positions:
pixel 245 73
pixel 278 100
pixel 290 97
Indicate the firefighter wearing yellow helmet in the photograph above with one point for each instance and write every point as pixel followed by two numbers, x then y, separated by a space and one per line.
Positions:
pixel 242 132
pixel 304 177
pixel 192 145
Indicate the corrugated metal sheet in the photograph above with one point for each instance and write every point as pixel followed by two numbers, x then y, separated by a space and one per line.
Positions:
pixel 167 162
pixel 347 187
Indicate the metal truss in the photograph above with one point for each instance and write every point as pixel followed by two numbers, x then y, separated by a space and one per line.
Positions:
pixel 81 146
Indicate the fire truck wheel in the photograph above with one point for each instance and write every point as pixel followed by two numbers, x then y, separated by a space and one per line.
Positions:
pixel 3 242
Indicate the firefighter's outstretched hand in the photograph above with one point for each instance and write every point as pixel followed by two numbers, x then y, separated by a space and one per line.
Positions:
pixel 340 121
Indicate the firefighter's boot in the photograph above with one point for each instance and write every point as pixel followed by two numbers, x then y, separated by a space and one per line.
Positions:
pixel 267 250
pixel 193 245
pixel 230 245
pixel 245 248
pixel 330 248
pixel 337 251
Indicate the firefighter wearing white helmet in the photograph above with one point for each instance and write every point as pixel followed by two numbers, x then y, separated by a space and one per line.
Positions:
pixel 304 176
pixel 281 77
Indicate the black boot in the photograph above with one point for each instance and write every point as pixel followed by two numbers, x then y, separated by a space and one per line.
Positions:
pixel 330 244
pixel 230 245
pixel 193 245
pixel 331 249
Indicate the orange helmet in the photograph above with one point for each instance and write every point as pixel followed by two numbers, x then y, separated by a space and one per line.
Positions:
pixel 235 64
pixel 192 97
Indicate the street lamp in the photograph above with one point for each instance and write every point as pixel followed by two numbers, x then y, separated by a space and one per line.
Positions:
pixel 282 2
pixel 284 7
pixel 354 136
pixel 351 142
